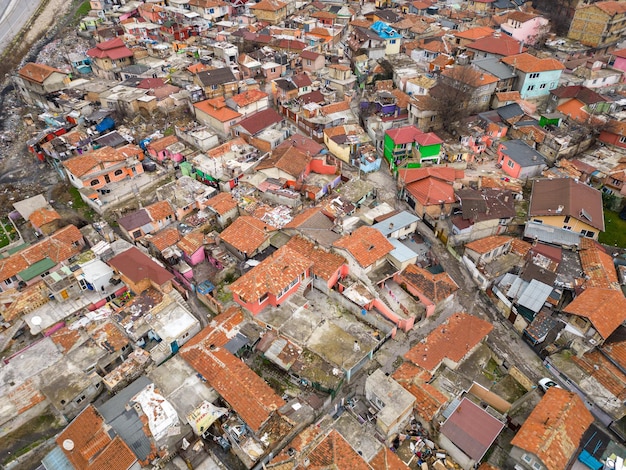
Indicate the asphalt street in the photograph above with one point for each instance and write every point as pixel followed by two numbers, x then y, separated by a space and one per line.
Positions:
pixel 13 16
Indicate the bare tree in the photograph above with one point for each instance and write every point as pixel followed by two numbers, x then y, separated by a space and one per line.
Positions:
pixel 456 94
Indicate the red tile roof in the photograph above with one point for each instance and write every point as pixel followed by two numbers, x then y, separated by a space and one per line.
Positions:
pixel 428 400
pixel 268 5
pixel 287 158
pixel 611 8
pixel 325 264
pixel 247 393
pixel 60 246
pixel 443 173
pixel 88 446
pixel 597 365
pixel 454 339
pixel 99 158
pixel 404 135
pixel 487 244
pixel 501 45
pixel 191 242
pixel 257 122
pixel 137 266
pixel 247 234
pixel 335 452
pixel 216 108
pixel 554 428
pixel 161 144
pixel 222 203
pixel 273 275
pixel 604 308
pixel 160 210
pixel 475 33
pixel 43 216
pixel 386 459
pixel 431 191
pixel 249 97
pixel 113 49
pixel 366 245
pixel 165 238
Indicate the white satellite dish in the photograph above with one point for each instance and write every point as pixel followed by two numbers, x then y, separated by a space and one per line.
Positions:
pixel 36 320
pixel 68 444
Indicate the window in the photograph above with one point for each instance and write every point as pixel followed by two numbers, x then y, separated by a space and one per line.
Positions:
pixel 567 227
pixel 534 75
pixel 538 221
pixel 510 164
pixel 527 458
pixel 587 233
pixel 286 289
pixel 531 88
pixel 393 41
pixel 433 118
pixel 211 10
pixel 118 172
pixel 566 219
pixel 537 466
pixel 263 298
pixel 622 139
pixel 94 182
pixel 542 86
pixel 214 87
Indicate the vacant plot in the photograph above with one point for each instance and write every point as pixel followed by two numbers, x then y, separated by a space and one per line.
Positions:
pixel 615 230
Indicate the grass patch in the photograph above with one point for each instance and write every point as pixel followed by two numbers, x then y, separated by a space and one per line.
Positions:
pixel 7 235
pixel 492 371
pixel 77 201
pixel 615 233
pixel 82 11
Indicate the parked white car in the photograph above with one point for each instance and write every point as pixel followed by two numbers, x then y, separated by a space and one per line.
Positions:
pixel 546 383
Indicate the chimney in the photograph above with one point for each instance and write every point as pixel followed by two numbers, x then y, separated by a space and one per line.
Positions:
pixel 390 225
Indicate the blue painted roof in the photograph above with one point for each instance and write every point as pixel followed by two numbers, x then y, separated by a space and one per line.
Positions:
pixel 385 31
pixel 400 251
pixel 396 222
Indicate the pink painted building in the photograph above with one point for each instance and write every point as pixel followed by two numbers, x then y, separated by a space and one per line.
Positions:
pixel 168 147
pixel 525 27
pixel 192 246
pixel 620 61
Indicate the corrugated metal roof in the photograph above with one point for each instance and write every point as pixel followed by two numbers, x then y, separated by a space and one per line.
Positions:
pixel 37 269
pixel 549 234
pixel 535 295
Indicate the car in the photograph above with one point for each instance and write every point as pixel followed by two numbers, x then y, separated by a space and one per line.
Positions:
pixel 546 383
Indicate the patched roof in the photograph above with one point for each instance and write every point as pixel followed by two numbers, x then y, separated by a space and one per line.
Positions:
pixel 454 339
pixel 499 45
pixel 287 158
pixel 247 234
pixel 257 122
pixel 428 400
pixel 83 164
pixel 160 210
pixel 165 238
pixel 335 452
pixel 43 216
pixel 436 287
pixel 271 276
pixel 366 244
pixel 325 264
pixel 113 49
pixel 191 242
pixel 247 393
pixel 554 428
pixel 161 144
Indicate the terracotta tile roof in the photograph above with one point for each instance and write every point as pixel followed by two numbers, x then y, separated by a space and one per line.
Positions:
pixel 501 45
pixel 335 108
pixel 65 339
pixel 387 460
pixel 288 159
pixel 37 72
pixel 442 173
pixel 428 400
pixel 520 247
pixel 43 216
pixel 18 303
pixel 268 5
pixel 453 340
pixel 222 203
pixel 25 396
pixel 475 33
pixel 247 233
pixel 247 393
pixel 508 96
pixel 165 238
pixel 436 287
pixel 302 217
pixel 529 63
pixel 299 443
pixel 604 308
pixel 610 8
pixel 554 428
pixel 615 349
pixel 596 365
pixel 272 275
pixel 487 244
pixel 335 452
pixel 217 109
pixel 93 448
pixel 431 191
pixel 469 75
pixel 113 49
pixel 325 264
pixel 249 97
pixel 161 144
pixel 137 266
pixel 310 55
pixel 160 210
pixel 597 265
pixel 60 246
pixel 191 242
pixel 366 244
pixel 83 164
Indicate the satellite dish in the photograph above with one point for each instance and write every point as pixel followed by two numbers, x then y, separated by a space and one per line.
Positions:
pixel 36 320
pixel 68 444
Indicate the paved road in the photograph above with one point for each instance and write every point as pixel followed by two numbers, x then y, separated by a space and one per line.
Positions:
pixel 13 16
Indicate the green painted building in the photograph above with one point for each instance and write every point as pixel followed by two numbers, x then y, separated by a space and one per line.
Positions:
pixel 409 147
